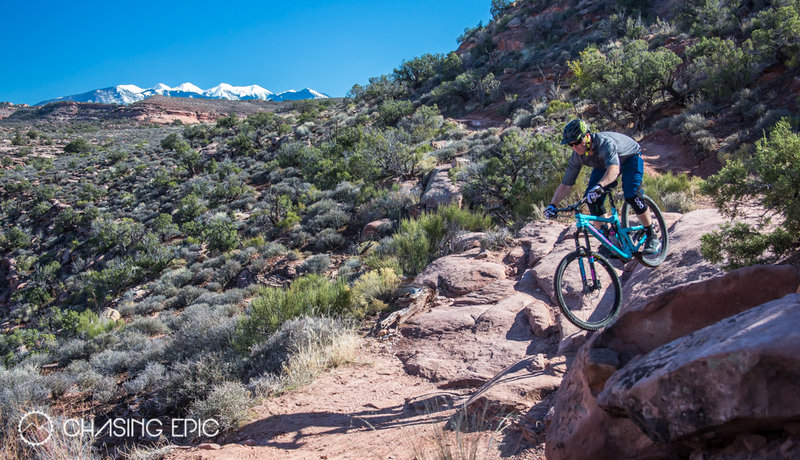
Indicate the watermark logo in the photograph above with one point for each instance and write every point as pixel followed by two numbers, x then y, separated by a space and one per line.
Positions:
pixel 35 428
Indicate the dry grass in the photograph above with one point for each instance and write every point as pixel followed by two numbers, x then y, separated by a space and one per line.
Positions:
pixel 464 437
pixel 318 356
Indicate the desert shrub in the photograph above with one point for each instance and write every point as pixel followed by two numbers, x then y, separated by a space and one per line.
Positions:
pixel 719 68
pixel 21 388
pixel 671 192
pixel 148 379
pixel 242 145
pixel 199 329
pixel 307 295
pixel 229 271
pixel 708 17
pixel 509 174
pixel 427 69
pixel 264 120
pixel 298 350
pixel 451 95
pixel 316 264
pixel 15 238
pixel 329 239
pixel 776 33
pixel 497 238
pixel 322 217
pixel 102 285
pixel 79 145
pixel 748 104
pixel 227 404
pixel 386 153
pixel 85 324
pixel 771 174
pixel 487 89
pixel 630 79
pixel 693 128
pixel 110 362
pixel 370 293
pixel 111 234
pixel 424 123
pixel 149 326
pixel 220 233
pixel 378 89
pixel 191 380
pixel 419 241
pixel 391 111
pixel 66 220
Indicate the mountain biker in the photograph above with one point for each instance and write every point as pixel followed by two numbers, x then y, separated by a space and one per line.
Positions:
pixel 609 154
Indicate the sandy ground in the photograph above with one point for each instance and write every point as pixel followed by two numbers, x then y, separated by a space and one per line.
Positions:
pixel 359 411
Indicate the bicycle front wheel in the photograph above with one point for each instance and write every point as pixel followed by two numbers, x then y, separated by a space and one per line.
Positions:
pixel 588 290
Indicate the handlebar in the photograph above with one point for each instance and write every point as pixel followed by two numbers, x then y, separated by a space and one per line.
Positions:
pixel 573 207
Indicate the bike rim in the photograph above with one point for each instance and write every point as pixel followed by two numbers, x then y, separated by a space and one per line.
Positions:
pixel 589 298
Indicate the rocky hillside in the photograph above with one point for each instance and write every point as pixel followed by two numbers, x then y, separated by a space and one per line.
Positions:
pixel 698 364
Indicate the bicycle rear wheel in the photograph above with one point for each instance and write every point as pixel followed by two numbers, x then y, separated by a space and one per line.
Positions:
pixel 589 292
pixel 659 228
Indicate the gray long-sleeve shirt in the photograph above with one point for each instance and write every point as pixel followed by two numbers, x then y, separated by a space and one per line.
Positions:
pixel 609 149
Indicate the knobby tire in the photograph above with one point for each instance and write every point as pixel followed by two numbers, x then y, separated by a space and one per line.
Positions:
pixel 653 260
pixel 597 308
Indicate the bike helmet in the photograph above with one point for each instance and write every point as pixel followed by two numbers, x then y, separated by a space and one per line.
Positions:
pixel 574 131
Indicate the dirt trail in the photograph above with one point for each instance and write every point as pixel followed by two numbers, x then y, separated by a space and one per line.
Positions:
pixel 357 411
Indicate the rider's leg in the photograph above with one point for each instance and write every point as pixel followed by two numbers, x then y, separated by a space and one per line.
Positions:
pixel 597 208
pixel 632 170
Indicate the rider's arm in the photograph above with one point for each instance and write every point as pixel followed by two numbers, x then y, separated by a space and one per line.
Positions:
pixel 561 192
pixel 612 171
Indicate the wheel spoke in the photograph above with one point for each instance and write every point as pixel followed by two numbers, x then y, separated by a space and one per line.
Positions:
pixel 588 303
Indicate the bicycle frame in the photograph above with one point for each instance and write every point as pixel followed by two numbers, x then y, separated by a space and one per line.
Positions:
pixel 628 247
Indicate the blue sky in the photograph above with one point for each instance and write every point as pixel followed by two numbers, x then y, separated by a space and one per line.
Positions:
pixel 51 49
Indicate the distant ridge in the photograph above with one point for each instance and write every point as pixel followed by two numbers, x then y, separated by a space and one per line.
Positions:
pixel 128 94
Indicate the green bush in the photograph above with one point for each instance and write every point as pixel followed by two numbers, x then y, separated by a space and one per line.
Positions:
pixel 630 79
pixel 514 172
pixel 719 68
pixel 371 291
pixel 220 233
pixel 776 33
pixel 14 238
pixel 671 192
pixel 384 154
pixel 79 145
pixel 708 17
pixel 378 90
pixel 85 324
pixel 772 175
pixel 308 295
pixel 418 72
pixel 391 111
pixel 419 241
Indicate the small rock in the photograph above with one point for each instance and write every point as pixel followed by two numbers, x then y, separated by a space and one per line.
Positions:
pixel 111 314
pixel 792 428
pixel 753 442
pixel 540 319
pixel 209 446
pixel 430 404
pixel 250 442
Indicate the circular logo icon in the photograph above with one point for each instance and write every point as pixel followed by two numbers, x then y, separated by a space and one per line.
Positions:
pixel 35 428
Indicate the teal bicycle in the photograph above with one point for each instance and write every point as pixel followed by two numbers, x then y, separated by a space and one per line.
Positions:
pixel 587 286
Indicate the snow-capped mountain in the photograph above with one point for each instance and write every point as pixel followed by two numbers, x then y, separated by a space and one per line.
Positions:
pixel 128 94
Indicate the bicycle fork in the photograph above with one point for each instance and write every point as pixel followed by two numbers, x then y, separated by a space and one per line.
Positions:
pixel 595 283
